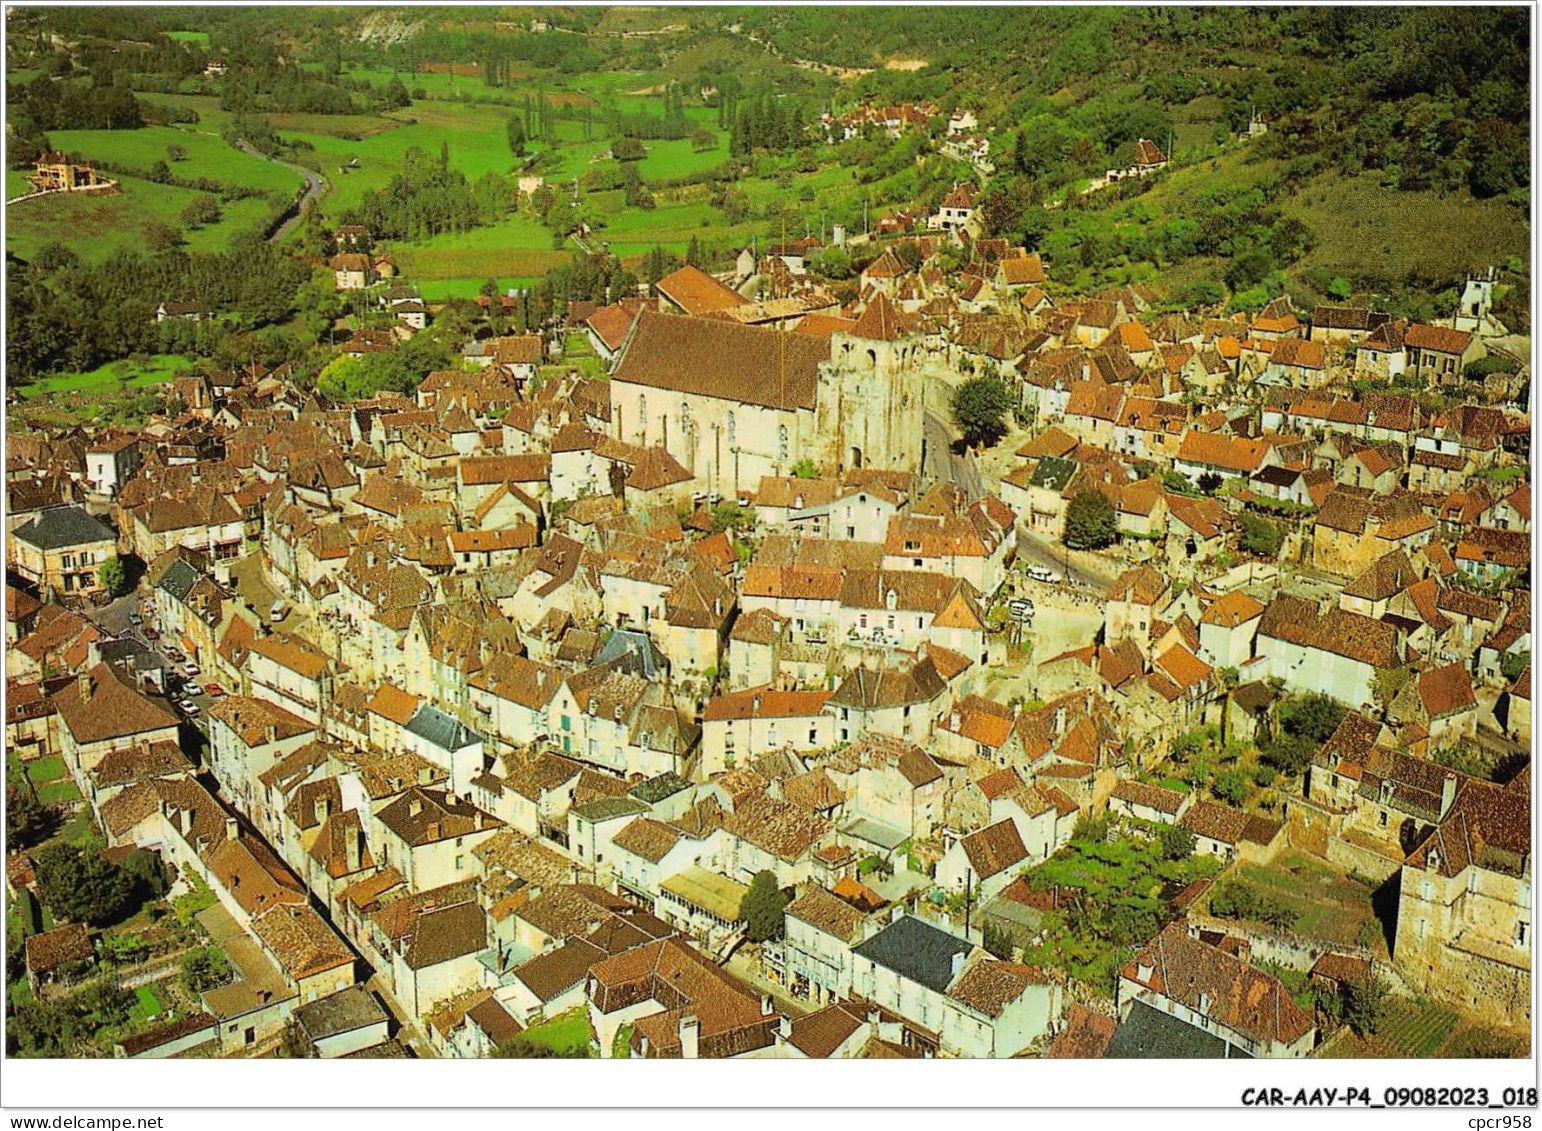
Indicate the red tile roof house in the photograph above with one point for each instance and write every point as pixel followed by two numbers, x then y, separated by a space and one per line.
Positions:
pixel 678 1004
pixel 1149 802
pixel 984 861
pixel 1218 991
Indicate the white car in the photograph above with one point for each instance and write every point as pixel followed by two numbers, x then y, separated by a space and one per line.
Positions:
pixel 191 690
pixel 1048 576
pixel 188 707
pixel 279 611
pixel 189 670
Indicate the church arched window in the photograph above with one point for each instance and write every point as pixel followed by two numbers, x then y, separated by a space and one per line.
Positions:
pixel 782 441
pixel 732 433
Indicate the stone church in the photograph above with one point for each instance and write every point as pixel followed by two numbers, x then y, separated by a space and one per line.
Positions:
pixel 734 403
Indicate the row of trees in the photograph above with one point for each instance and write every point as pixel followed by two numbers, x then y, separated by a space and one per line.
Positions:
pixel 428 197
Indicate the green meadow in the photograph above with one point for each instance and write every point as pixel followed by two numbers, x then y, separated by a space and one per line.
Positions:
pixel 95 225
pixel 207 155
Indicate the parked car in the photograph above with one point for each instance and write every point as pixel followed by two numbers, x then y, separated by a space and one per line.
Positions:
pixel 279 611
pixel 213 689
pixel 151 633
pixel 1044 574
pixel 188 706
pixel 189 670
pixel 174 654
pixel 135 618
pixel 191 690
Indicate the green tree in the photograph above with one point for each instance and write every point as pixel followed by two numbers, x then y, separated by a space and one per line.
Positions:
pixel 161 238
pixel 1260 536
pixel 1365 1005
pixel 27 820
pixel 204 970
pixel 38 1029
pixel 1314 717
pixel 1176 841
pixel 522 1048
pixel 703 140
pixel 761 908
pixel 83 886
pixel 175 152
pixel 1387 684
pixel 980 406
pixel 1226 678
pixel 1090 521
pixel 114 576
pixel 516 135
pixel 1231 786
pixel 628 149
pixel 805 469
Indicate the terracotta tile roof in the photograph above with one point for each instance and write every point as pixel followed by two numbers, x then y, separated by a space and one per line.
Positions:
pixel 647 838
pixel 779 827
pixel 1149 796
pixel 1240 996
pixel 1303 353
pixel 1230 453
pixel 1446 691
pixel 1231 610
pixel 51 949
pixel 696 292
pixel 99 706
pixel 1441 339
pixel 1338 631
pixel 989 986
pixel 828 913
pixel 1085 1037
pixel 994 849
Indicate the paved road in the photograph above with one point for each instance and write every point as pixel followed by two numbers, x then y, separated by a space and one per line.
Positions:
pixel 313 188
pixel 1078 567
pixel 113 619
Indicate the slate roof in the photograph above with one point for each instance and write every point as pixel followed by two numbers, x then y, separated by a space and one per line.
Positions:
pixel 60 527
pixel 914 949
pixel 1148 1033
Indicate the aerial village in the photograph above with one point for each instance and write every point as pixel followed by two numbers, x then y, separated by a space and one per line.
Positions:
pixel 738 693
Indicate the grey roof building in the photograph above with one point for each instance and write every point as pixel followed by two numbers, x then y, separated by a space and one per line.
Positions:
pixel 444 731
pixel 58 528
pixel 916 950
pixel 1146 1032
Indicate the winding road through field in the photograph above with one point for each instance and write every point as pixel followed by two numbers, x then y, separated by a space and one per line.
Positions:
pixel 314 184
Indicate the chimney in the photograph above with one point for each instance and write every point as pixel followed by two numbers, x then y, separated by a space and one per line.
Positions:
pixel 323 809
pixel 755 706
pixel 1447 794
pixel 415 807
pixel 953 722
pixel 433 830
pixel 690 1037
pixel 784 1027
pixel 476 820
pixel 1204 1004
pixel 1143 971
pixel 185 819
pixel 1245 951
pixel 425 775
pixel 86 685
pixel 232 828
pixel 396 785
pixel 958 962
pixel 766 1008
pixel 354 850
